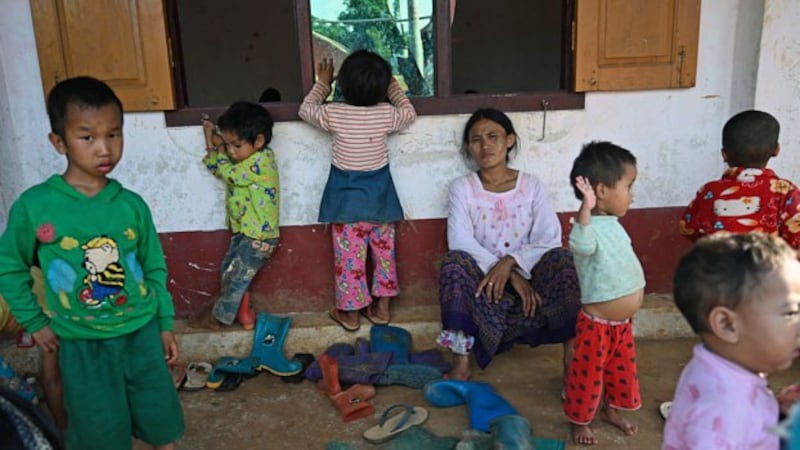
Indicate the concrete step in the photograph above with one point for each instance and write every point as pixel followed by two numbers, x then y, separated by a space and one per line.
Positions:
pixel 313 332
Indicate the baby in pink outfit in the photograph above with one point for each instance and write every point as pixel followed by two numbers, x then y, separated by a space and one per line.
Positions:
pixel 741 295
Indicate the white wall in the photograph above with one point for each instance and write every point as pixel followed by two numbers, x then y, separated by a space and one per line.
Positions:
pixel 778 89
pixel 674 134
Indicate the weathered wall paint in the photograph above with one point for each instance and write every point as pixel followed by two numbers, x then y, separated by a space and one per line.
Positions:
pixel 674 133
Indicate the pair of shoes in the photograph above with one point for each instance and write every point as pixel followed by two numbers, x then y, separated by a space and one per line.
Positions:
pixel 483 402
pixel 196 376
pixel 333 313
pixel 351 403
pixel 664 408
pixel 371 316
pixel 388 428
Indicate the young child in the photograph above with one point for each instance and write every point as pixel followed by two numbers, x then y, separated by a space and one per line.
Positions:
pixel 359 197
pixel 741 294
pixel 748 197
pixel 603 368
pixel 239 156
pixel 110 312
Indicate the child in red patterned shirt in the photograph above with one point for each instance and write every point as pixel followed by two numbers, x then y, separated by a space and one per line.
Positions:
pixel 749 196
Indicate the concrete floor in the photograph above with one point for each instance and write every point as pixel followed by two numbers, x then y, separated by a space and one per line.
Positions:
pixel 270 414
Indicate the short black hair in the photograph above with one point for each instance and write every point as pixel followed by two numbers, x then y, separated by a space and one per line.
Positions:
pixel 724 269
pixel 85 92
pixel 247 120
pixel 750 138
pixel 364 78
pixel 270 94
pixel 496 116
pixel 600 162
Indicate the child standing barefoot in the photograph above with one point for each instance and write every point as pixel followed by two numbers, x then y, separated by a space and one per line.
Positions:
pixel 612 288
pixel 359 197
pixel 741 294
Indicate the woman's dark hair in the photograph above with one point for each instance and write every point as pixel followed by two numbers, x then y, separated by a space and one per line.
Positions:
pixel 496 116
pixel 364 78
pixel 247 120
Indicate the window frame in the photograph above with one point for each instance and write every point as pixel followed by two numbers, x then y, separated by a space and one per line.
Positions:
pixel 443 102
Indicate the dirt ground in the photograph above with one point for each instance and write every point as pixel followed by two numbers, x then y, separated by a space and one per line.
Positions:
pixel 266 413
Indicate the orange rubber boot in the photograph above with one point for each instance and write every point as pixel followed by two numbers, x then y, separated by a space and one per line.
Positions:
pixel 246 316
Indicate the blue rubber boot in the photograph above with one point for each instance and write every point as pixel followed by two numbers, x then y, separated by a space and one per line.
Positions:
pixel 482 401
pixel 387 338
pixel 511 431
pixel 268 342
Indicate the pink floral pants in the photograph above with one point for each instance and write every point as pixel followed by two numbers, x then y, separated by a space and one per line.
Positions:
pixel 350 242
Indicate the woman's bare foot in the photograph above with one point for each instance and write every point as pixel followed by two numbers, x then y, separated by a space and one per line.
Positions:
pixel 582 434
pixel 613 417
pixel 460 369
pixel 204 319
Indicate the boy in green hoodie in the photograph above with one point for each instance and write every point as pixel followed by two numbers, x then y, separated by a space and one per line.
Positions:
pixel 110 312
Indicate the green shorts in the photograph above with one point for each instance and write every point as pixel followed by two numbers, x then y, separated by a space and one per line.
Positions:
pixel 118 388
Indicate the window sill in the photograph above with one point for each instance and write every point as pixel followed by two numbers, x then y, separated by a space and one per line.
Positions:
pixel 428 106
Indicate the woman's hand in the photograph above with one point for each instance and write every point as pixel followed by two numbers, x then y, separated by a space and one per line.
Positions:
pixel 530 298
pixel 494 283
pixel 325 71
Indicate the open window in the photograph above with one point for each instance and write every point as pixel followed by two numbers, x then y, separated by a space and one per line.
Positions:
pixel 453 56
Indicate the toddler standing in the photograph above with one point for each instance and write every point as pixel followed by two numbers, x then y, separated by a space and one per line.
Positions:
pixel 360 197
pixel 603 368
pixel 237 154
pixel 741 294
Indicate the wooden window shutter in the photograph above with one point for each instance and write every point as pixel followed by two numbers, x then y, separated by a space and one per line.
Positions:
pixel 122 42
pixel 635 44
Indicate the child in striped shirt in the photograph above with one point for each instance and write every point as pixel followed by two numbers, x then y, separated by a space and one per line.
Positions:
pixel 360 198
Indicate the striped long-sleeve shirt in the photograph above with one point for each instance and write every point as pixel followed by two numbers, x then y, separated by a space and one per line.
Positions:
pixel 359 132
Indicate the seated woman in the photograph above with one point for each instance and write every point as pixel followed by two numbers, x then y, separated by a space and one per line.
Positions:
pixel 506 279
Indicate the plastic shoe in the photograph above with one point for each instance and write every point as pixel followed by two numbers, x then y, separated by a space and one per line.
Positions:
pixel 482 401
pixel 387 338
pixel 268 342
pixel 412 375
pixel 16 384
pixel 246 316
pixel 512 431
pixel 351 403
pixel 229 364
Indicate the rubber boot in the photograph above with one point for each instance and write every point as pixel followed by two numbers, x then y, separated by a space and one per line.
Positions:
pixel 387 338
pixel 511 432
pixel 483 402
pixel 268 342
pixel 352 403
pixel 246 316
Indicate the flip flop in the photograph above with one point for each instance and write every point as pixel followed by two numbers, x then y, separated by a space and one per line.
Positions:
pixel 387 428
pixel 196 375
pixel 333 313
pixel 664 408
pixel 373 318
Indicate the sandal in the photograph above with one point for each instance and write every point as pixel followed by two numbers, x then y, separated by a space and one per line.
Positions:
pixel 664 408
pixel 196 375
pixel 373 318
pixel 333 313
pixel 387 429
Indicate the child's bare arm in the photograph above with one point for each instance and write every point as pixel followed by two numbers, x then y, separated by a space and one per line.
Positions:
pixel 213 140
pixel 589 200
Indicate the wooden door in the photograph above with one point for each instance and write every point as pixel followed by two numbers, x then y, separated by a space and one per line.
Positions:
pixel 122 42
pixel 635 44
